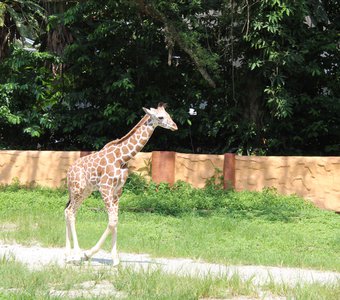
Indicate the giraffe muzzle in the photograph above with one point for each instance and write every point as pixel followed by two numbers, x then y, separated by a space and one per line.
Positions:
pixel 173 127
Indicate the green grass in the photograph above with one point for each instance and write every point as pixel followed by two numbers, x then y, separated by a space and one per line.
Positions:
pixel 18 282
pixel 216 226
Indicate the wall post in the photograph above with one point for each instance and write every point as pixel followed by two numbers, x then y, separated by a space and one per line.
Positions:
pixel 163 166
pixel 229 171
pixel 85 153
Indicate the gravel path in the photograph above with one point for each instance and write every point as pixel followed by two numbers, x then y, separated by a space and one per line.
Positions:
pixel 36 257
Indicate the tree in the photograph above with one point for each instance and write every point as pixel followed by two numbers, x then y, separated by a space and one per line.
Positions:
pixel 27 86
pixel 260 77
pixel 19 19
pixel 28 92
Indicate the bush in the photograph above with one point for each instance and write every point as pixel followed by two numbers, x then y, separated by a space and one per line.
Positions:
pixel 181 198
pixel 176 200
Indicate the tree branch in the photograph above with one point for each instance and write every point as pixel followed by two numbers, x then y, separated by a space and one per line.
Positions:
pixel 172 31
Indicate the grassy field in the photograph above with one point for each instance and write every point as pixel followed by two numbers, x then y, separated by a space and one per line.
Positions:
pixel 17 282
pixel 212 225
pixel 215 226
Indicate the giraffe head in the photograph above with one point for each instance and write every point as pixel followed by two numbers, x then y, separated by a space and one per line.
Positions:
pixel 160 117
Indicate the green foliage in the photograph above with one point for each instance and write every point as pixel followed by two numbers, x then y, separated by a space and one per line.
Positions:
pixel 296 64
pixel 216 181
pixel 182 199
pixel 176 200
pixel 136 184
pixel 273 65
pixel 19 19
pixel 28 92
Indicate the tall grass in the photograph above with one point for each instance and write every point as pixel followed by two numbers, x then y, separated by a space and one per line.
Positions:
pixel 18 282
pixel 180 221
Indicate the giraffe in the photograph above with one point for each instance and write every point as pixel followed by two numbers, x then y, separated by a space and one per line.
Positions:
pixel 106 171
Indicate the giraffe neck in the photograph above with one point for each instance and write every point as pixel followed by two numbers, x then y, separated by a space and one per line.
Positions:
pixel 135 140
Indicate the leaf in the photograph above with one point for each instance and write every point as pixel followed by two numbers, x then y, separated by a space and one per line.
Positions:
pixel 32 132
pixel 2 14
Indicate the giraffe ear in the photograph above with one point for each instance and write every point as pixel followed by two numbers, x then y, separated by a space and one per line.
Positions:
pixel 162 104
pixel 147 111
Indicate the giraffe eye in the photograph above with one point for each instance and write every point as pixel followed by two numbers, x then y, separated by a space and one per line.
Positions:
pixel 161 118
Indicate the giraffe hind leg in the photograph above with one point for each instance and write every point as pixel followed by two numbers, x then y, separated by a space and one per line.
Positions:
pixel 70 218
pixel 68 233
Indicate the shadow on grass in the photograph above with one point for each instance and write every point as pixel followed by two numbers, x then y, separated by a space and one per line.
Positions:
pixel 109 262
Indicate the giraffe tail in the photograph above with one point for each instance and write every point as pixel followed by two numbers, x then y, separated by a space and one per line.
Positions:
pixel 68 203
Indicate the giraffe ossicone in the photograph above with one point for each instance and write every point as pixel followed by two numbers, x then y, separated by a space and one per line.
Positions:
pixel 106 171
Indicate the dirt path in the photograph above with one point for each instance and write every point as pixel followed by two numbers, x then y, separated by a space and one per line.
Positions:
pixel 36 257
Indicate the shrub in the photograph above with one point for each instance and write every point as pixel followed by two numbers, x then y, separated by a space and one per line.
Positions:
pixel 176 200
pixel 181 198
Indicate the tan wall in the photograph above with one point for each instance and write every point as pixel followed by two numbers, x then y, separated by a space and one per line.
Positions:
pixel 141 164
pixel 197 168
pixel 314 178
pixel 45 168
pixel 49 168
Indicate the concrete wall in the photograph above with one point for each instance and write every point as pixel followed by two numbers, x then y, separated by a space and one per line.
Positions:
pixel 197 168
pixel 46 168
pixel 49 168
pixel 141 164
pixel 314 178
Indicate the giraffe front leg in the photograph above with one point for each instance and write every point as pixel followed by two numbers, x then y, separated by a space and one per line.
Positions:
pixel 110 229
pixel 88 254
pixel 68 237
pixel 113 222
pixel 114 254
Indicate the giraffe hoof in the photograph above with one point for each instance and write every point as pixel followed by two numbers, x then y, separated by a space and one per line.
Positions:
pixel 115 262
pixel 73 260
pixel 68 259
pixel 86 257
